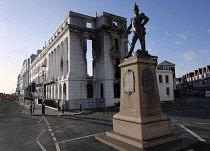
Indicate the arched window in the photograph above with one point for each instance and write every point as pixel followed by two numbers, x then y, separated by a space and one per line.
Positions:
pixel 89 91
pixel 117 90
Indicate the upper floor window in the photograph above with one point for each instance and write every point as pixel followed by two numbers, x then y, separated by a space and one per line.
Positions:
pixel 88 25
pixel 160 79
pixel 166 67
pixel 167 79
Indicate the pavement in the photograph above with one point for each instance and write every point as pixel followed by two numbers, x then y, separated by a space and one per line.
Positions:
pixel 49 111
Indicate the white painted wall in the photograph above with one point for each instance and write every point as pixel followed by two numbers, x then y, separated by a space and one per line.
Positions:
pixel 162 86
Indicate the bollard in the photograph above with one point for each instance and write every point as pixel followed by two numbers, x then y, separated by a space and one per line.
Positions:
pixel 80 107
pixel 43 108
pixel 62 108
pixel 31 108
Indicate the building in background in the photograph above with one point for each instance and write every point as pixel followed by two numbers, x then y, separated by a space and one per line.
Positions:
pixel 165 74
pixel 195 83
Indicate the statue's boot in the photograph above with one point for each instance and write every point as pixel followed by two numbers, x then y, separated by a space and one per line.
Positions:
pixel 128 55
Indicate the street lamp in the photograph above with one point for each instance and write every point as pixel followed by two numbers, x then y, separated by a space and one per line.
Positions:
pixel 43 103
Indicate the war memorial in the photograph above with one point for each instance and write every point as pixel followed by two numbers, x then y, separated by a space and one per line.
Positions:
pixel 140 123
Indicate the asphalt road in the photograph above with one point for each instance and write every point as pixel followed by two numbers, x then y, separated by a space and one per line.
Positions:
pixel 76 133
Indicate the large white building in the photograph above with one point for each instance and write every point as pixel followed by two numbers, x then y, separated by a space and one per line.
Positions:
pixel 66 73
pixel 66 77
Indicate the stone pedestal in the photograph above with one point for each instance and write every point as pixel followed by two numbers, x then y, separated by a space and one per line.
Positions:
pixel 140 122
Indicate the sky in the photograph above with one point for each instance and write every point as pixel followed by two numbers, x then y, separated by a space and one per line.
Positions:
pixel 178 30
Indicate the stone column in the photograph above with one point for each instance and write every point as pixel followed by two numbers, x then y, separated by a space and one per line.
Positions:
pixel 68 54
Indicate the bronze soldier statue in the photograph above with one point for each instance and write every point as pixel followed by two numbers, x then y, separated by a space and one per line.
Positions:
pixel 137 23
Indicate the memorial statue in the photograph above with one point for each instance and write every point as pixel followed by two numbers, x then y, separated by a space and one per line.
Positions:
pixel 137 23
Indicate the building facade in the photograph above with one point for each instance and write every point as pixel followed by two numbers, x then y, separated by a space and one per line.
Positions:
pixel 61 70
pixel 195 83
pixel 165 74
pixel 66 78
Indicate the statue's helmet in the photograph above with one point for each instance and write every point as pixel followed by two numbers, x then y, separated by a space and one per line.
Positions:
pixel 135 7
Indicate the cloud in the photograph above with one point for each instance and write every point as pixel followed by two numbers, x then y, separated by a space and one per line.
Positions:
pixel 178 42
pixel 189 55
pixel 208 30
pixel 182 36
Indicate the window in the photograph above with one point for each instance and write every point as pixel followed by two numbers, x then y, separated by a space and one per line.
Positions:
pixel 166 67
pixel 88 25
pixel 116 90
pixel 115 24
pixel 116 68
pixel 116 44
pixel 102 91
pixel 167 91
pixel 89 91
pixel 167 79
pixel 160 79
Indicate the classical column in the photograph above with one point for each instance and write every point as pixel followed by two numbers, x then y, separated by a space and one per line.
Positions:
pixel 64 57
pixel 52 92
pixel 68 54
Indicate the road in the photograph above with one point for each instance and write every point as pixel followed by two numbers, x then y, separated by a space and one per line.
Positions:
pixel 76 133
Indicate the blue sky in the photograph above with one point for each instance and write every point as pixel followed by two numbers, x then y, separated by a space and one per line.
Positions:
pixel 178 30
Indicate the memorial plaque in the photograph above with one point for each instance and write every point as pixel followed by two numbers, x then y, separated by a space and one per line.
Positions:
pixel 129 82
pixel 148 82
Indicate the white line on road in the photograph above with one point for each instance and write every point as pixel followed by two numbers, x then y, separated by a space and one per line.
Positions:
pixel 40 134
pixel 78 138
pixel 40 121
pixel 191 132
pixel 57 147
pixel 203 123
pixel 55 140
pixel 52 134
pixel 40 145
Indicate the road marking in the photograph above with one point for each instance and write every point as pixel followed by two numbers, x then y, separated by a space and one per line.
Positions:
pixel 78 138
pixel 202 123
pixel 191 132
pixel 55 140
pixel 40 120
pixel 40 145
pixel 40 134
pixel 52 134
pixel 57 147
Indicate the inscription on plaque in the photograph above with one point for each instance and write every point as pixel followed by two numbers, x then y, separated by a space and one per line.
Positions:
pixel 129 82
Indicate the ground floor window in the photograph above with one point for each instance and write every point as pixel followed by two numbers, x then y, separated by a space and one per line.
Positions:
pixel 116 90
pixel 167 91
pixel 89 91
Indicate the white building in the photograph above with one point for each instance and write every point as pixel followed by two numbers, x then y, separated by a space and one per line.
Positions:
pixel 66 74
pixel 165 85
pixel 66 77
pixel 165 73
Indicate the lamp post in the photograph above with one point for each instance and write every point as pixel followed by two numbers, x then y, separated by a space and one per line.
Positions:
pixel 43 103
